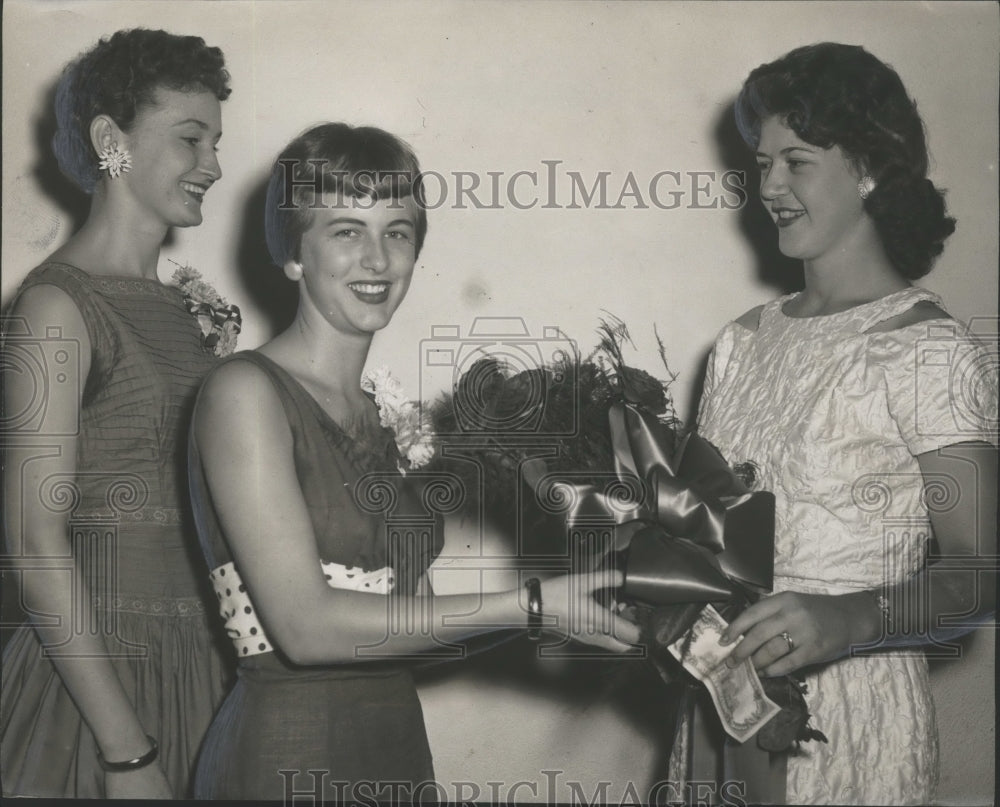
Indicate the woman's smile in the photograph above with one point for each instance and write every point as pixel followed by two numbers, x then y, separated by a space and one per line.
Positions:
pixel 786 216
pixel 372 293
pixel 195 190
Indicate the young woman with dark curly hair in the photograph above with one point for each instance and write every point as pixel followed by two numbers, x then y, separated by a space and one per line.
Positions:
pixel 871 415
pixel 109 692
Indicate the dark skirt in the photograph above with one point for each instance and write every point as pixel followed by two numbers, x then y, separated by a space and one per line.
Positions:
pixel 47 750
pixel 325 733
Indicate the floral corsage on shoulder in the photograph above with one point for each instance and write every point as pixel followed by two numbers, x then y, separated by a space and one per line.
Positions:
pixel 414 437
pixel 220 322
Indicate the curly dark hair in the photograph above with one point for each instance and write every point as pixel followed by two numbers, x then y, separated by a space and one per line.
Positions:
pixel 118 77
pixel 834 94
pixel 336 157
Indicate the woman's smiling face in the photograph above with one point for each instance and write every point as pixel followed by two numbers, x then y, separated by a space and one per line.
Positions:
pixel 173 145
pixel 810 192
pixel 357 258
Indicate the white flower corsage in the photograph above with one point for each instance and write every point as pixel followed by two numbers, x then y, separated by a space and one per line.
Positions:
pixel 414 437
pixel 219 321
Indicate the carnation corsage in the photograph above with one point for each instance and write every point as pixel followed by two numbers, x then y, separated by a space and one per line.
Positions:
pixel 414 437
pixel 220 322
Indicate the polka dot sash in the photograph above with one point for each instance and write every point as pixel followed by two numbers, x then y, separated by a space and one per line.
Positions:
pixel 242 624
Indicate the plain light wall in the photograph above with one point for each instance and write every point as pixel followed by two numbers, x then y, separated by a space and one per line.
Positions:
pixel 501 87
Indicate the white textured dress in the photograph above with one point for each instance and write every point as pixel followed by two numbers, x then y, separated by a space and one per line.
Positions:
pixel 834 417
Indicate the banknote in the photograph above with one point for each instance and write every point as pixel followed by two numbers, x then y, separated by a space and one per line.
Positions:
pixel 737 692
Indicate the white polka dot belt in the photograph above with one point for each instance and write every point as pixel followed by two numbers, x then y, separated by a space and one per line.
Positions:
pixel 236 607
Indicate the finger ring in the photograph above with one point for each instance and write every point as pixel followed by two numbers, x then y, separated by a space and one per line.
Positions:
pixel 791 645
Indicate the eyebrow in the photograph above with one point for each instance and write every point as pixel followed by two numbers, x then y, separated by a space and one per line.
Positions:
pixel 360 223
pixel 199 123
pixel 787 150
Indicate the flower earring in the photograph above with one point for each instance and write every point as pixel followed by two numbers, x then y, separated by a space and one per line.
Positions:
pixel 865 186
pixel 114 160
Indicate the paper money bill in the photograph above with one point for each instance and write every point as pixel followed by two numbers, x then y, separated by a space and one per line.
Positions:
pixel 737 692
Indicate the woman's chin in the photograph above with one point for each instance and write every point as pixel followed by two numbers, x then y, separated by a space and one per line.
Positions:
pixel 372 323
pixel 187 221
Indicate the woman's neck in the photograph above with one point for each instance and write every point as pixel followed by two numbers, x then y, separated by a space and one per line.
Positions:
pixel 327 362
pixel 114 245
pixel 835 283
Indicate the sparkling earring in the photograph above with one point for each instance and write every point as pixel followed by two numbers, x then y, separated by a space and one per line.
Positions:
pixel 114 160
pixel 865 186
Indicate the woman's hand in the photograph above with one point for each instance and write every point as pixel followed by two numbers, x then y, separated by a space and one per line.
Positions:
pixel 819 627
pixel 148 782
pixel 570 599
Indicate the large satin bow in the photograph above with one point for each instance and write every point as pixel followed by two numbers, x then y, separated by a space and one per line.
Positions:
pixel 691 526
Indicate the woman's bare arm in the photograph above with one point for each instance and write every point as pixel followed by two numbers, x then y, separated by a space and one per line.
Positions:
pixel 943 601
pixel 36 530
pixel 246 449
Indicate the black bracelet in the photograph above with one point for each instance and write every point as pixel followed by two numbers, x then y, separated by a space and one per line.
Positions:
pixel 534 587
pixel 131 764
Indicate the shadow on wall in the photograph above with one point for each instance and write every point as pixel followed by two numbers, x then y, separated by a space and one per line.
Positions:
pixel 771 268
pixel 264 284
pixel 71 201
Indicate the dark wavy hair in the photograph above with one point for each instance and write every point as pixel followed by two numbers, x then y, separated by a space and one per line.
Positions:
pixel 118 77
pixel 833 94
pixel 336 158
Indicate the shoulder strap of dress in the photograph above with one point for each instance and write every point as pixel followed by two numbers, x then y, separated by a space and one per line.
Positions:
pixel 279 377
pixel 296 402
pixel 75 282
pixel 771 311
pixel 892 305
pixel 104 339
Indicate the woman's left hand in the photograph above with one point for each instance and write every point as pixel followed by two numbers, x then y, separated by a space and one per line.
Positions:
pixel 791 630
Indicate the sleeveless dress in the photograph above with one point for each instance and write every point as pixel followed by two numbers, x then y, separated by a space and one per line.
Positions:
pixel 146 364
pixel 833 418
pixel 321 730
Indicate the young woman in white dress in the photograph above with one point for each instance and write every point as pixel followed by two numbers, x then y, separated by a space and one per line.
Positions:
pixel 871 415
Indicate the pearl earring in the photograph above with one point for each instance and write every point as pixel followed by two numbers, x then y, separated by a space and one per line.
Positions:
pixel 293 271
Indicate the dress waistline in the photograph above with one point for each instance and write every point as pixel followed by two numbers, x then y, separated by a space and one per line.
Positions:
pixel 153 606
